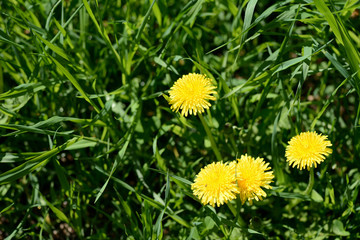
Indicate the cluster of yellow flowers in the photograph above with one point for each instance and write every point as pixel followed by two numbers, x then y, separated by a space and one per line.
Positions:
pixel 218 183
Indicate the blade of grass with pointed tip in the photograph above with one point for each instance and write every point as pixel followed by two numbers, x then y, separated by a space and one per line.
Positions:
pixel 194 11
pixel 50 15
pixel 19 226
pixel 38 127
pixel 327 103
pixel 227 90
pixel 157 13
pixel 274 152
pixel 83 143
pixel 119 157
pixel 143 23
pixel 352 56
pixel 22 129
pixel 76 84
pixel 56 49
pixel 342 36
pixel 322 7
pixel 20 90
pixel 105 36
pixel 183 180
pixel 5 38
pixel 33 164
pixel 336 64
pixel 263 76
pixel 249 12
pixel 126 139
pixel 6 208
pixel 151 201
pixel 61 173
pixel 290 195
pixel 67 22
pixel 56 211
pixel 158 227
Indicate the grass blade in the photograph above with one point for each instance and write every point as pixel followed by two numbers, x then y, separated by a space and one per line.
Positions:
pixel 76 84
pixel 33 164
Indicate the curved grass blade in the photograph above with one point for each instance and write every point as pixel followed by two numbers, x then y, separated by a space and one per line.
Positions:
pixel 76 84
pixel 56 49
pixel 33 164
pixel 328 101
pixel 104 35
pixel 125 140
pixel 151 201
pixel 56 211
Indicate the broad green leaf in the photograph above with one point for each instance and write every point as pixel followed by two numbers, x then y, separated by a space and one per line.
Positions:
pixel 338 228
pixel 251 231
pixel 316 196
pixel 209 223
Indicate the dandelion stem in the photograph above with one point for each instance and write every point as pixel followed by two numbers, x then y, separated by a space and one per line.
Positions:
pixel 211 138
pixel 311 182
pixel 236 213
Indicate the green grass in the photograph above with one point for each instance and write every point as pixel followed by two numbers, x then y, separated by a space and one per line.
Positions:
pixel 91 150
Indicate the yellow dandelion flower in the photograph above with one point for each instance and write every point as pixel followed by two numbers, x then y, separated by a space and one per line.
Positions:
pixel 215 184
pixel 190 94
pixel 252 175
pixel 307 149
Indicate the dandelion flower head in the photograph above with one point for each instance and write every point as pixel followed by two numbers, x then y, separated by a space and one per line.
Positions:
pixel 252 175
pixel 215 184
pixel 307 149
pixel 191 93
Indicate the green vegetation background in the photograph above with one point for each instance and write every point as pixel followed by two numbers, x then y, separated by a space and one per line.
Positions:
pixel 91 150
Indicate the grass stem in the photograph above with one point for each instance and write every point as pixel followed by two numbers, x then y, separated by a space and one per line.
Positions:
pixel 236 213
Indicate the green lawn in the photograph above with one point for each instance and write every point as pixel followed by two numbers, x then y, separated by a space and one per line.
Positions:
pixel 92 149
